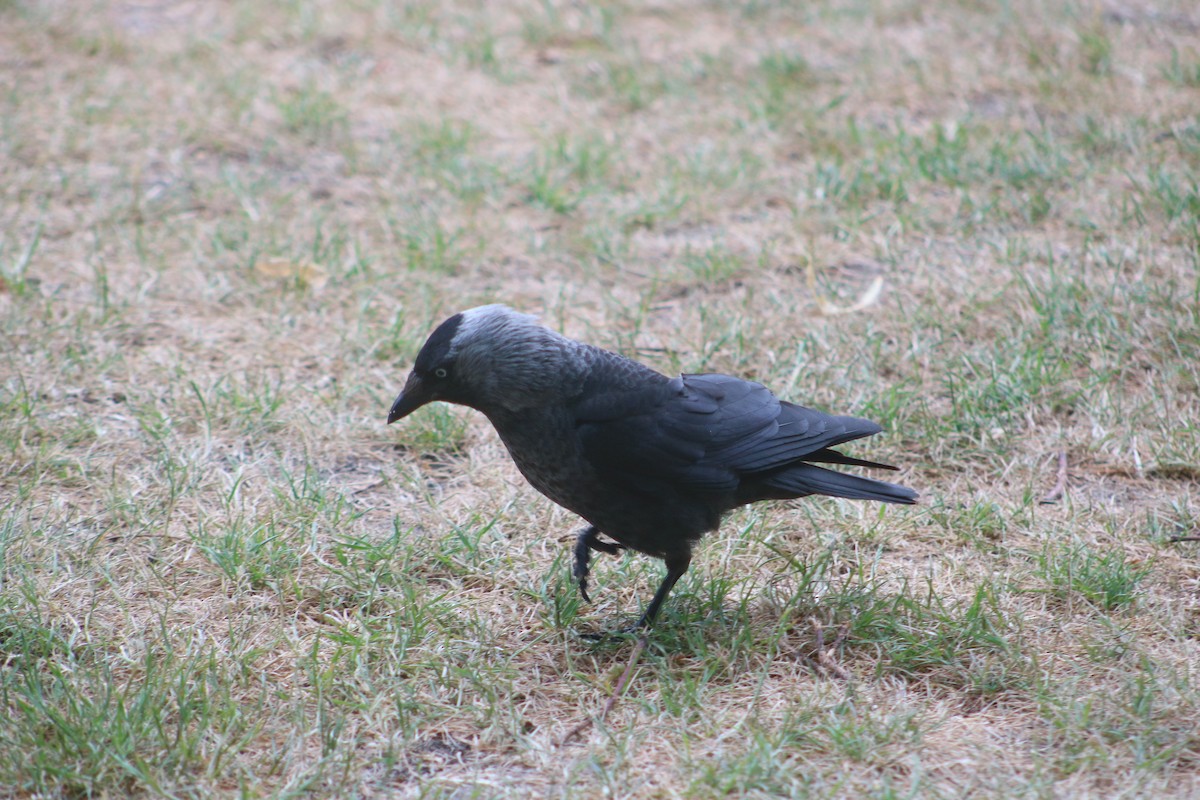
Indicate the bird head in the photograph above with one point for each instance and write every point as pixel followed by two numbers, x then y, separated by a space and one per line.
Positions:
pixel 489 358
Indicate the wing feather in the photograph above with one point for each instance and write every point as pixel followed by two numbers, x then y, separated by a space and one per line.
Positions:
pixel 705 432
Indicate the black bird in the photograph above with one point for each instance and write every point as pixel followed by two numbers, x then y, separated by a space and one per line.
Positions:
pixel 649 461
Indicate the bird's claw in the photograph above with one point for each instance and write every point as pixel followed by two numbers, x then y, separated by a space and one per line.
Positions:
pixel 608 637
pixel 612 548
pixel 584 544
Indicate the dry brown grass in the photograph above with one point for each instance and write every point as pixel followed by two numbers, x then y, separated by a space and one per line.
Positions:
pixel 226 227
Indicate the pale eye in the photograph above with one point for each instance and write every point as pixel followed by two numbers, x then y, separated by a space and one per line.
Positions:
pixel 440 372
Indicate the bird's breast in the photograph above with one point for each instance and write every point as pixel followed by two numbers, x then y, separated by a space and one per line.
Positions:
pixel 657 519
pixel 546 450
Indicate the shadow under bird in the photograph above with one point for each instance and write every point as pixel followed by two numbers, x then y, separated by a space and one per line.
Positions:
pixel 648 461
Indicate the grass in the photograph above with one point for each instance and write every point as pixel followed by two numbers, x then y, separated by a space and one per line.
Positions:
pixel 225 232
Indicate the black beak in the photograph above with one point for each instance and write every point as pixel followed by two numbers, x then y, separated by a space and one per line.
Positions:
pixel 414 395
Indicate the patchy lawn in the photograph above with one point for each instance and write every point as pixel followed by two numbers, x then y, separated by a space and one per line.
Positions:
pixel 226 227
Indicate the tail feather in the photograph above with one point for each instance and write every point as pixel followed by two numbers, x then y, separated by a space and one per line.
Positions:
pixel 829 456
pixel 806 479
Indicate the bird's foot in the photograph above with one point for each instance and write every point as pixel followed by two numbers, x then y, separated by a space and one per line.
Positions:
pixel 584 544
pixel 583 557
pixel 608 637
pixel 612 548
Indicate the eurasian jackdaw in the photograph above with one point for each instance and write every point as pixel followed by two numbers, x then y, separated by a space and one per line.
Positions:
pixel 649 461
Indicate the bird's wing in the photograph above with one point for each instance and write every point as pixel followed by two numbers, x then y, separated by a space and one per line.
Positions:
pixel 797 433
pixel 704 431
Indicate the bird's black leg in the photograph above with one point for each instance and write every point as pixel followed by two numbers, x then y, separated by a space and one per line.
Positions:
pixel 675 569
pixel 583 556
pixel 584 543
